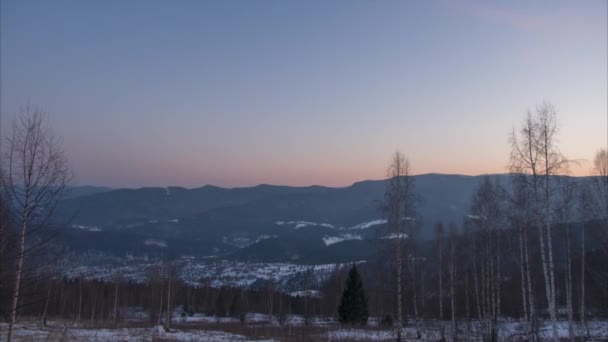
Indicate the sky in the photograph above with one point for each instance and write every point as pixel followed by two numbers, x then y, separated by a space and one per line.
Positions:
pixel 238 93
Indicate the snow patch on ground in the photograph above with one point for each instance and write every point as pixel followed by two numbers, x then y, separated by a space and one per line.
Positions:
pixel 30 331
pixel 330 240
pixel 360 335
pixel 429 330
pixel 394 236
pixel 306 293
pixel 265 237
pixel 243 241
pixel 87 228
pixel 155 242
pixel 365 225
pixel 302 224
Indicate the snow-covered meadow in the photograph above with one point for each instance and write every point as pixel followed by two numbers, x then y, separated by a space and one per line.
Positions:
pixel 261 327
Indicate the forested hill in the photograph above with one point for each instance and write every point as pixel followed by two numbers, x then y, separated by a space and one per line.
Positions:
pixel 279 222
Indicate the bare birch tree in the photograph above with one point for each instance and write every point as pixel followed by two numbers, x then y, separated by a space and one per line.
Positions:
pixel 534 153
pixel 399 201
pixel 453 232
pixel 36 175
pixel 520 217
pixel 597 195
pixel 487 217
pixel 600 168
pixel 564 209
pixel 439 247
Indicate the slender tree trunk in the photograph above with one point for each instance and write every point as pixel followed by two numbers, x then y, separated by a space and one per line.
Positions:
pixel 422 285
pixel 399 309
pixel 476 283
pixel 79 298
pixel 522 273
pixel 15 299
pixel 543 252
pixel 414 290
pixel 63 300
pixel 498 273
pixel 552 305
pixel 532 309
pixel 46 302
pixel 160 310
pixel 582 313
pixel 569 285
pixel 103 304
pixel 452 288
pixel 397 219
pixel 169 291
pixel 93 309
pixel 440 279
pixel 115 302
pixel 468 307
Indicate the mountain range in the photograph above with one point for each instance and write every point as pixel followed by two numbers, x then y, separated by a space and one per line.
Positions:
pixel 312 224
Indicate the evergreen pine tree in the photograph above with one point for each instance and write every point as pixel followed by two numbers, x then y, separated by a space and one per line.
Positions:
pixel 353 306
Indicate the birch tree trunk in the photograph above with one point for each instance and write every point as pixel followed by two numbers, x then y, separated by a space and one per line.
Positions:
pixel 476 283
pixel 46 302
pixel 13 312
pixel 440 252
pixel 522 272
pixel 452 287
pixel 399 205
pixel 160 310
pixel 79 297
pixel 115 316
pixel 532 310
pixel 569 285
pixel 582 312
pixel 169 290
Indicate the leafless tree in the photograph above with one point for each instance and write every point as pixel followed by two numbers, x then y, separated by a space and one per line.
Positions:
pixel 36 174
pixel 564 209
pixel 439 247
pixel 399 202
pixel 597 196
pixel 8 252
pixel 600 168
pixel 453 232
pixel 521 219
pixel 593 206
pixel 535 154
pixel 171 274
pixel 487 217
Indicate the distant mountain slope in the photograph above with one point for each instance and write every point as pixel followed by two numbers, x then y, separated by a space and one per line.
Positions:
pixel 85 190
pixel 264 222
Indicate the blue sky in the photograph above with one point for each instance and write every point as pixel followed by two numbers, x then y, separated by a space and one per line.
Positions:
pixel 238 93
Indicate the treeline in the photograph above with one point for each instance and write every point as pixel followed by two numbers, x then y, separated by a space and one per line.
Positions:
pixel 96 302
pixel 426 297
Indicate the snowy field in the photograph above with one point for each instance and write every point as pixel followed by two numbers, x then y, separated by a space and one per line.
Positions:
pixel 70 332
pixel 260 327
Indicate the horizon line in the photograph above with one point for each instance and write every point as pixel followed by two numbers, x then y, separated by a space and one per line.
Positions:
pixel 303 186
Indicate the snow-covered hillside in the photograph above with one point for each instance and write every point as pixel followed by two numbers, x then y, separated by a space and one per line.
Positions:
pixel 212 272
